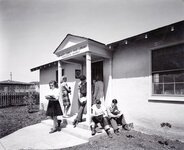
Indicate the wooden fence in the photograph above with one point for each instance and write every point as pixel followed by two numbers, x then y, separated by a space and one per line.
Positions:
pixel 16 99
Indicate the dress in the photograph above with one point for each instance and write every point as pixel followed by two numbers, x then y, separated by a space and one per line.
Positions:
pixel 65 94
pixel 54 108
pixel 99 91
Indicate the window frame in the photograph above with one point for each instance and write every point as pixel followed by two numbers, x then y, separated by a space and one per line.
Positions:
pixel 163 97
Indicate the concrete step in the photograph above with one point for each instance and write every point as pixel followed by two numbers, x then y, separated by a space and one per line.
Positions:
pixel 69 120
pixel 78 131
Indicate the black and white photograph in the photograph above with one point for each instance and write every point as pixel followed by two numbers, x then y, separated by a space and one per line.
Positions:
pixel 91 75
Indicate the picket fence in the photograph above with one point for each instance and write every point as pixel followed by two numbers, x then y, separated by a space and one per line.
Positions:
pixel 16 99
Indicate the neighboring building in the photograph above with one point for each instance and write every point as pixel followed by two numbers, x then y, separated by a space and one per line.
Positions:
pixel 144 72
pixel 14 86
pixel 35 86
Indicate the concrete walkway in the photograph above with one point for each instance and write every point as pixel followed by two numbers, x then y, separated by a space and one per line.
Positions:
pixel 38 137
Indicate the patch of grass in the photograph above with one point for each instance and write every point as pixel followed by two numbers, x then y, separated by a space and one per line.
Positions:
pixel 17 117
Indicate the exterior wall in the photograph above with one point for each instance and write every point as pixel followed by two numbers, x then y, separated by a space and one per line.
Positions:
pixel 132 88
pixel 73 83
pixel 48 74
pixel 107 80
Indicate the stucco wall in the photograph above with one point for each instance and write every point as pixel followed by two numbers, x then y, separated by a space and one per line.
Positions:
pixel 132 87
pixel 49 73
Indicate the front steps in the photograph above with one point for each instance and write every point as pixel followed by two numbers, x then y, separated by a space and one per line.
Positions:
pixel 82 130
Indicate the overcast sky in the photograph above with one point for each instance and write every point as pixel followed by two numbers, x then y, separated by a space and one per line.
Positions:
pixel 31 30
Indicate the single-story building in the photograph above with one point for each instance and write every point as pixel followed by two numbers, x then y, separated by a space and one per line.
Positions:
pixel 145 73
pixel 14 86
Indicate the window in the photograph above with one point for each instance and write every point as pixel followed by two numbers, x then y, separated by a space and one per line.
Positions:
pixel 168 70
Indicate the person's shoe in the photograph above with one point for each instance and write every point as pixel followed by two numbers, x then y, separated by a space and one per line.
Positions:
pixel 126 127
pixel 109 133
pixel 116 132
pixel 75 123
pixel 52 131
pixel 59 123
pixel 131 125
pixel 93 131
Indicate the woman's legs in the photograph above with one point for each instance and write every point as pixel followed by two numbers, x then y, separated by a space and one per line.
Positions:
pixel 54 129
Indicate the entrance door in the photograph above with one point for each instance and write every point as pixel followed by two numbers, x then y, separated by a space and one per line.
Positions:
pixel 97 70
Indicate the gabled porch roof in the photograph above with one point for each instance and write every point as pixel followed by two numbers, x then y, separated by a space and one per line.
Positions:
pixel 73 48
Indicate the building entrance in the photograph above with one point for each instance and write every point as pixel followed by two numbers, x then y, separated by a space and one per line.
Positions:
pixel 97 70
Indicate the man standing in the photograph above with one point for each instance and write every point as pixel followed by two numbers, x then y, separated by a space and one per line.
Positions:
pixel 82 92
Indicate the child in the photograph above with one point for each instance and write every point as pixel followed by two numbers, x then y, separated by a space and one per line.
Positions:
pixel 53 108
pixel 99 115
pixel 65 90
pixel 116 117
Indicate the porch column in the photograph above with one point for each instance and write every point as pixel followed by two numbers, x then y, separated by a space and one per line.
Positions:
pixel 59 78
pixel 88 77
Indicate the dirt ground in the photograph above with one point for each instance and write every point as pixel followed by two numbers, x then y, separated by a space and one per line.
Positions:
pixel 130 140
pixel 14 118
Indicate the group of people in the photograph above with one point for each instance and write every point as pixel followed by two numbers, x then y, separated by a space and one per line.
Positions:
pixel 101 116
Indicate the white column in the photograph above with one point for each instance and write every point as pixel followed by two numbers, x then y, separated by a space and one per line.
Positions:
pixel 88 77
pixel 59 78
pixel 110 82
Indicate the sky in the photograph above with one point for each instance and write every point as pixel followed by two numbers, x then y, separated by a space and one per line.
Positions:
pixel 31 30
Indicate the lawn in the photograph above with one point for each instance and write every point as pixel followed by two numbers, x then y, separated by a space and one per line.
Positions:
pixel 17 117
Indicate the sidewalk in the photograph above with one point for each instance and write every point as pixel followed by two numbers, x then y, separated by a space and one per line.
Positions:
pixel 38 137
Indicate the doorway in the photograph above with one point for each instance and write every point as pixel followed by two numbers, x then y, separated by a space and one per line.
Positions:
pixel 97 70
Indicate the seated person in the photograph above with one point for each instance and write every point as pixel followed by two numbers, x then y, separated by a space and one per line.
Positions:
pixel 116 117
pixel 99 115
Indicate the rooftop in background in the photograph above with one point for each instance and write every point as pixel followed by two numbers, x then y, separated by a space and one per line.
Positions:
pixel 14 82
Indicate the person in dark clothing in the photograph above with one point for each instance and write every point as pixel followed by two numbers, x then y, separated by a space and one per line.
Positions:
pixel 82 92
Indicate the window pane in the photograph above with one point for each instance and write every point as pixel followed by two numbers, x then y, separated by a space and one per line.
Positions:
pixel 168 78
pixel 179 88
pixel 179 77
pixel 168 88
pixel 158 78
pixel 168 58
pixel 158 88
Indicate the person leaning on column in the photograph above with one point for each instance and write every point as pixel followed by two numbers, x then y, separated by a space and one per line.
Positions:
pixel 82 93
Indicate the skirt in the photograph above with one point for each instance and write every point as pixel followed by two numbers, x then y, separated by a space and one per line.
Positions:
pixel 54 109
pixel 66 100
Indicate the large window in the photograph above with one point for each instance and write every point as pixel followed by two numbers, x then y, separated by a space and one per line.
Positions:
pixel 168 70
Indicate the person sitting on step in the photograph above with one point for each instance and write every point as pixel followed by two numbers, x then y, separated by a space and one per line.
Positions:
pixel 99 115
pixel 116 117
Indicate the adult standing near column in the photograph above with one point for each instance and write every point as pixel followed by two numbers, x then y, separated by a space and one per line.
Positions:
pixel 82 93
pixel 99 90
pixel 65 90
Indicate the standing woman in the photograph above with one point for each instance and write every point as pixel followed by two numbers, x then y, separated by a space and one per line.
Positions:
pixel 65 90
pixel 53 108
pixel 99 90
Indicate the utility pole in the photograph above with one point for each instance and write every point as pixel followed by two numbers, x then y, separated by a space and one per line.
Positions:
pixel 11 76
